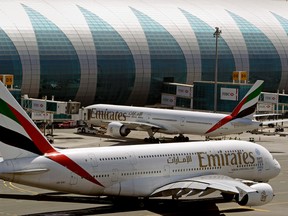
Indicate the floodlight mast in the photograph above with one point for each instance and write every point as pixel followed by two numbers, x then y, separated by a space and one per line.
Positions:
pixel 216 34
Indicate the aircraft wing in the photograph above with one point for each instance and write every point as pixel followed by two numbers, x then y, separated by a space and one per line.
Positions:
pixel 138 125
pixel 204 185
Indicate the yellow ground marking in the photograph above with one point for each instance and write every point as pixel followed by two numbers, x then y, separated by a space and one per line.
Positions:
pixel 12 186
pixel 247 208
pixel 277 203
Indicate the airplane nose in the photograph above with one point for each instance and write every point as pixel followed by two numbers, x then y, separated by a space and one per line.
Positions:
pixel 277 167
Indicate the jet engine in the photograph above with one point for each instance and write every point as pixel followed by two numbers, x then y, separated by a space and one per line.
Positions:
pixel 116 129
pixel 263 195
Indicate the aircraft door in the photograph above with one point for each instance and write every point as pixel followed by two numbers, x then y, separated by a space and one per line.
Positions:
pixel 260 164
pixel 182 121
pixel 266 163
pixel 115 175
pixel 132 158
pixel 115 186
pixel 73 179
pixel 166 171
pixel 92 161
pixel 148 117
pixel 259 167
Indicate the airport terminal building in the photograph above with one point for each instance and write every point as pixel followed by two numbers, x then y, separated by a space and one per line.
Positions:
pixel 120 52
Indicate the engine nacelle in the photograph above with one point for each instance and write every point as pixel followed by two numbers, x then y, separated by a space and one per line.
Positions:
pixel 263 195
pixel 116 129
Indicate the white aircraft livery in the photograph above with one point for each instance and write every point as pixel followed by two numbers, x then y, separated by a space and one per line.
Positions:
pixel 120 120
pixel 237 169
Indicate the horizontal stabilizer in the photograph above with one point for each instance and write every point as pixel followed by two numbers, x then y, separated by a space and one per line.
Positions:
pixel 266 123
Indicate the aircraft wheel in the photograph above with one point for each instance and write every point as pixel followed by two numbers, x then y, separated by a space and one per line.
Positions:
pixel 152 140
pixel 141 204
pixel 176 139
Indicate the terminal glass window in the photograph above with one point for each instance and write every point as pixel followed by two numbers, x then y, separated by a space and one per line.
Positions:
pixel 115 63
pixel 207 45
pixel 59 63
pixel 264 59
pixel 9 59
pixel 167 58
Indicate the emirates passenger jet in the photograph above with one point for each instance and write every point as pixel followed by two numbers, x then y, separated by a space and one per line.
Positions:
pixel 238 169
pixel 120 120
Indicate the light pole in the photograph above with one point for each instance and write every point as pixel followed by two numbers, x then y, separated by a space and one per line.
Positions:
pixel 216 35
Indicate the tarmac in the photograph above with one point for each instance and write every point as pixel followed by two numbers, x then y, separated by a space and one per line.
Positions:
pixel 17 199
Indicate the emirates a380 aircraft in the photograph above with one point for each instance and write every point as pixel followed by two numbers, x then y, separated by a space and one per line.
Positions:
pixel 120 120
pixel 238 169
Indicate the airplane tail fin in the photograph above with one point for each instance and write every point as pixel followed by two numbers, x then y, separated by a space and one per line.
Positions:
pixel 20 137
pixel 247 106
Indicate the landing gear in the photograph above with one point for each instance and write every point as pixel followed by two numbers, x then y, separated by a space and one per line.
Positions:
pixel 151 140
pixel 181 138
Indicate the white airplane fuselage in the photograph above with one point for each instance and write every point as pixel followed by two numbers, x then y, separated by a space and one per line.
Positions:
pixel 140 170
pixel 172 121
